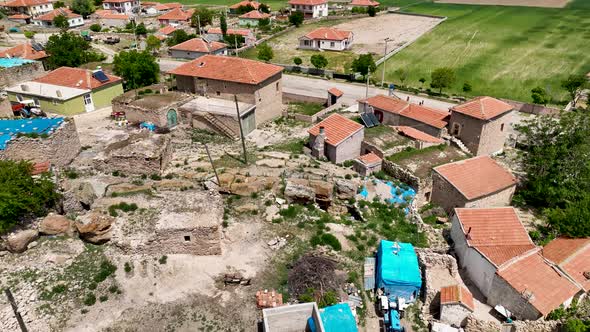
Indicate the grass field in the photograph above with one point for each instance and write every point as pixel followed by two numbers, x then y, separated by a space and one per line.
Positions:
pixel 500 51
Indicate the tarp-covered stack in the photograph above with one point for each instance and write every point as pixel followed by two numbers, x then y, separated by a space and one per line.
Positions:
pixel 398 273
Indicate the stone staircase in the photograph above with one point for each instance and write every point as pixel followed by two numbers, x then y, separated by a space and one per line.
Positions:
pixel 220 126
pixel 459 144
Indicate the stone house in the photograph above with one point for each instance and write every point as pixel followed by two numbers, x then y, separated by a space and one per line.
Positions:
pixel 367 164
pixel 110 19
pixel 196 48
pixel 310 8
pixel 477 182
pixel 396 112
pixel 122 6
pixel 46 20
pixel 216 34
pixel 19 18
pixel 336 138
pixel 456 303
pixel 234 8
pixel 252 18
pixel 25 51
pixel 69 91
pixel 253 82
pixel 327 38
pixel 481 124
pixel 175 17
pixel 31 8
pixel 421 139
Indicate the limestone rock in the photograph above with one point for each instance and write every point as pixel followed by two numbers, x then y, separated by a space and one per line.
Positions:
pixel 346 189
pixel 79 198
pixel 248 207
pixel 85 194
pixel 272 163
pixel 337 210
pixel 127 188
pixel 55 224
pixel 95 227
pixel 298 193
pixel 18 242
pixel 276 155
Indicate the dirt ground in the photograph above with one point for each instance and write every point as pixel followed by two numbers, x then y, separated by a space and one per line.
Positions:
pixel 526 3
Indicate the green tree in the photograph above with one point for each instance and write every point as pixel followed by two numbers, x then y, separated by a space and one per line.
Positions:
pixel 244 9
pixel 223 25
pixel 264 24
pixel 95 27
pixel 573 220
pixel 296 18
pixel 576 325
pixel 539 96
pixel 21 195
pixel 234 41
pixel 69 49
pixel 58 4
pixel 264 8
pixel 422 80
pixel 363 64
pixel 60 21
pixel 467 87
pixel 137 68
pixel 153 43
pixel 319 61
pixel 202 15
pixel 297 61
pixel 372 11
pixel 178 36
pixel 442 78
pixel 572 85
pixel 140 29
pixel 97 3
pixel 265 52
pixel 83 7
pixel 401 73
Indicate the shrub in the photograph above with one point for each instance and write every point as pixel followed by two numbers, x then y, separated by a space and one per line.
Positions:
pixel 348 176
pixel 92 286
pixel 155 177
pixel 29 34
pixel 163 259
pixel 332 241
pixel 106 269
pixel 90 299
pixel 95 27
pixel 103 298
pixel 128 267
pixel 114 289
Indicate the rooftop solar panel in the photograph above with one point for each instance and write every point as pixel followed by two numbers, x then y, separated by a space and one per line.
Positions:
pixel 36 46
pixel 374 119
pixel 366 120
pixel 100 76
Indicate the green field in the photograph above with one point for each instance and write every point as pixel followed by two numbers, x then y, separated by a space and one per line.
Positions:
pixel 500 51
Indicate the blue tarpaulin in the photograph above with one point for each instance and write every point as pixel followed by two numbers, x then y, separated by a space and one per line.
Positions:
pixel 398 273
pixel 338 318
pixel 11 128
pixel 394 322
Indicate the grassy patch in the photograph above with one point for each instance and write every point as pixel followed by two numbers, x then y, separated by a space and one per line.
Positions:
pixel 293 147
pixel 207 136
pixel 305 108
pixel 411 152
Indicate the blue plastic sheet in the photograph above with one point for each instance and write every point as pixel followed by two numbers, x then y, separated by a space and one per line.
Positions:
pixel 13 62
pixel 11 128
pixel 338 318
pixel 398 273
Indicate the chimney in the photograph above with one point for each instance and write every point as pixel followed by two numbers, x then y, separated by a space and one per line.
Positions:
pixel 467 236
pixel 58 93
pixel 24 87
pixel 318 150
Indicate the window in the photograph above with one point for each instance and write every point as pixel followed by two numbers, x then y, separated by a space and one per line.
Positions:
pixel 36 102
pixel 87 99
pixel 218 93
pixel 332 44
pixel 502 127
pixel 456 129
pixel 54 102
pixel 187 238
pixel 19 97
pixel 277 86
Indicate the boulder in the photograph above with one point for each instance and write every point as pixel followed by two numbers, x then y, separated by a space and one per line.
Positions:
pixel 337 210
pixel 346 189
pixel 79 198
pixel 95 227
pixel 323 189
pixel 248 207
pixel 18 242
pixel 298 193
pixel 55 224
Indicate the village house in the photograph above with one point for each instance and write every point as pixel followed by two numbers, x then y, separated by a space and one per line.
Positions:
pixel 481 124
pixel 421 139
pixel 30 8
pixel 252 18
pixel 363 3
pixel 110 19
pixel 165 32
pixel 234 8
pixel 175 17
pixel 253 82
pixel 68 91
pixel 572 257
pixel 196 48
pixel 336 138
pixel 456 303
pixel 396 112
pixel 20 18
pixel 310 8
pixel 330 39
pixel 217 35
pixel 46 20
pixel 154 8
pixel 27 50
pixel 367 164
pixel 477 183
pixel 122 6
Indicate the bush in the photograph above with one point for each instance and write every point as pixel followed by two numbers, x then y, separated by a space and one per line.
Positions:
pixel 95 27
pixel 29 34
pixel 114 289
pixel 332 241
pixel 90 299
pixel 106 269
pixel 155 177
pixel 103 298
pixel 128 267
pixel 163 259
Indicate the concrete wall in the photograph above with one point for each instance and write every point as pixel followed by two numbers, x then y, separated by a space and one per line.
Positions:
pixel 347 150
pixel 291 318
pixel 194 55
pixel 107 23
pixel 512 300
pixel 26 72
pixel 64 107
pixel 60 148
pixel 532 108
pixel 103 96
pixel 454 314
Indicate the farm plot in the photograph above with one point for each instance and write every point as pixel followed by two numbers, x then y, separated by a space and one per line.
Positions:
pixel 526 3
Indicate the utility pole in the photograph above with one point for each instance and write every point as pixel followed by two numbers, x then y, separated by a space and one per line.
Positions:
pixel 199 24
pixel 367 90
pixel 236 43
pixel 212 165
pixel 241 130
pixel 384 61
pixel 19 318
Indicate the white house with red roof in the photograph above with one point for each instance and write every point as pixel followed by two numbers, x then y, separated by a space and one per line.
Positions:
pixel 571 256
pixel 30 8
pixel 310 8
pixel 196 48
pixel 24 51
pixel 216 34
pixel 363 3
pixel 46 20
pixel 336 138
pixel 176 16
pixel 234 8
pixel 252 18
pixel 122 6
pixel 110 19
pixel 330 39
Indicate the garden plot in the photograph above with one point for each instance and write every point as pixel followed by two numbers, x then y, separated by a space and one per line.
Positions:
pixel 526 3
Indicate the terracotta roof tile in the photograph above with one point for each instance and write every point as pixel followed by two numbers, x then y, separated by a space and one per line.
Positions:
pixel 199 45
pixel 268 299
pixel 26 3
pixel 254 4
pixel 24 51
pixel 476 177
pixel 335 92
pixel 117 1
pixel 573 256
pixel 255 15
pixel 370 158
pixel 241 32
pixel 457 295
pixel 19 17
pixel 533 277
pixel 110 15
pixel 39 168
pixel 495 232
pixel 307 2
pixel 364 3
pixel 224 68
pixel 417 134
pixel 337 128
pixel 167 30
pixel 483 108
pixel 328 34
pixel 562 248
pixel 176 14
pixel 430 116
pixel 57 12
pixel 75 78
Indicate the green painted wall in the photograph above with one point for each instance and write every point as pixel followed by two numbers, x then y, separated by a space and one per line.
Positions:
pixel 103 97
pixel 248 21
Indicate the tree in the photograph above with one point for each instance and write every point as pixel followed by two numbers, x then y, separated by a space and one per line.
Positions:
pixel 178 36
pixel 21 195
pixel 401 73
pixel 223 25
pixel 319 61
pixel 422 80
pixel 296 18
pixel 202 16
pixel 58 4
pixel 95 27
pixel 573 220
pixel 264 8
pixel 140 29
pixel 137 68
pixel 265 52
pixel 372 11
pixel 363 64
pixel 442 78
pixel 576 325
pixel 264 24
pixel 69 49
pixel 539 96
pixel 153 43
pixel 467 87
pixel 97 3
pixel 244 9
pixel 572 85
pixel 297 61
pixel 234 41
pixel 83 7
pixel 61 22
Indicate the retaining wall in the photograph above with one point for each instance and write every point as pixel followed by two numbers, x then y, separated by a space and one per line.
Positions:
pixel 26 72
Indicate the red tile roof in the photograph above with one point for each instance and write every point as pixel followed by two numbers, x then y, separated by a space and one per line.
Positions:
pixel 370 158
pixel 254 4
pixel 573 256
pixel 337 128
pixel 24 51
pixel 255 15
pixel 224 68
pixel 476 177
pixel 364 3
pixel 268 299
pixel 483 108
pixel 457 295
pixel 495 232
pixel 241 32
pixel 110 15
pixel 199 45
pixel 335 92
pixel 537 280
pixel 167 30
pixel 39 168
pixel 328 34
pixel 417 134
pixel 19 17
pixel 75 78
pixel 430 116
pixel 57 12
pixel 26 3
pixel 307 2
pixel 176 14
pixel 117 1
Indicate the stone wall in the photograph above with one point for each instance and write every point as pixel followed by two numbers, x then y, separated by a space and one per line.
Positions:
pixel 402 174
pixel 501 198
pixel 347 150
pixel 532 108
pixel 289 97
pixel 511 299
pixel 470 130
pixel 494 134
pixel 191 241
pixel 26 72
pixel 454 314
pixel 60 148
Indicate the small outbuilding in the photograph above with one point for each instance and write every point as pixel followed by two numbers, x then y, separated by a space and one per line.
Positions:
pixel 368 164
pixel 334 95
pixel 336 138
pixel 293 318
pixel 196 48
pixel 456 303
pixel 252 18
pixel 159 108
pixel 398 272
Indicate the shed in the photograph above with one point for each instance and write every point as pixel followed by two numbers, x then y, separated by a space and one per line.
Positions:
pixel 456 303
pixel 338 318
pixel 398 273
